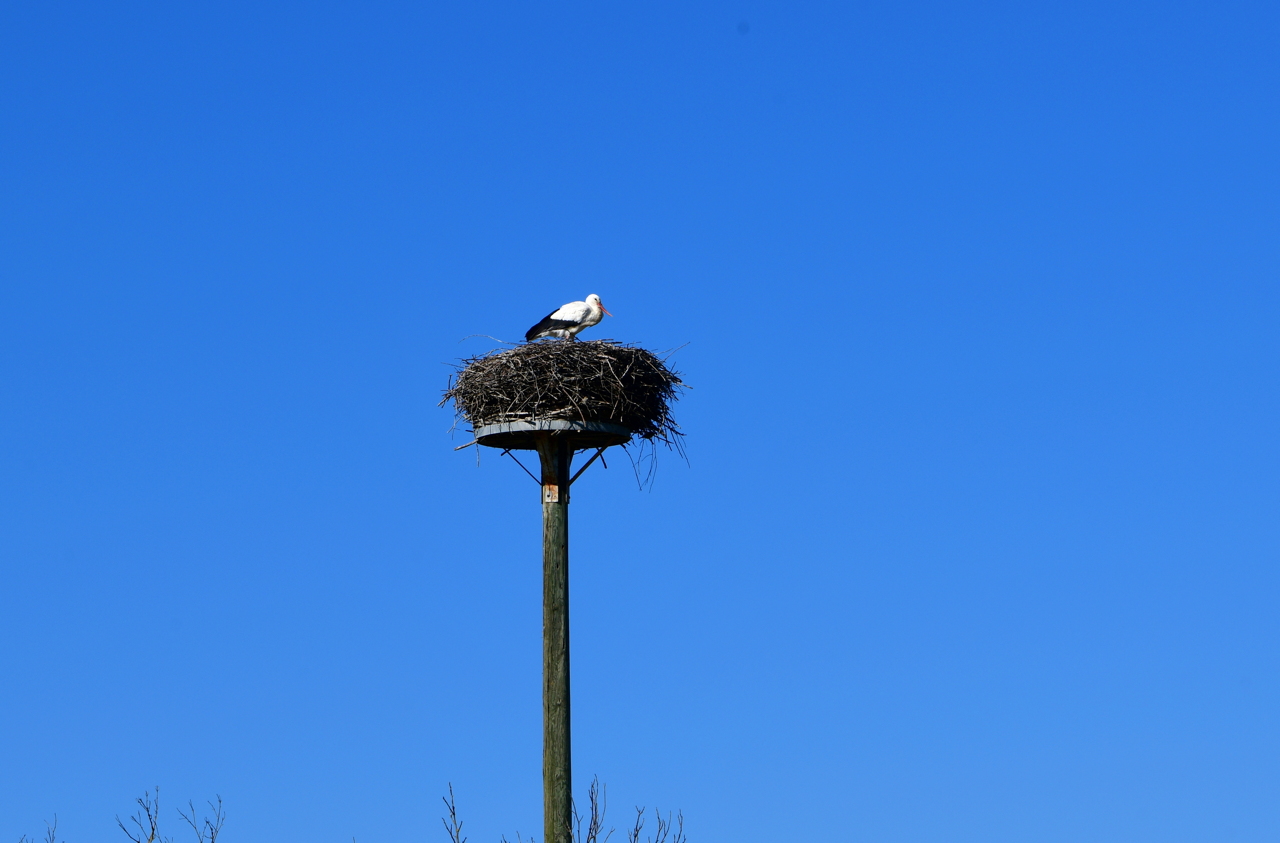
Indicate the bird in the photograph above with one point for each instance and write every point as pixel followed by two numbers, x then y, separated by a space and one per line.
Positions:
pixel 569 319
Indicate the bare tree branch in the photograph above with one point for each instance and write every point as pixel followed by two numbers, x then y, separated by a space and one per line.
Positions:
pixel 595 821
pixel 451 823
pixel 206 832
pixel 589 828
pixel 147 819
pixel 50 832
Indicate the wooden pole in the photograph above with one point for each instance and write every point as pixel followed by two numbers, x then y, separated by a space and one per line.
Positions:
pixel 556 455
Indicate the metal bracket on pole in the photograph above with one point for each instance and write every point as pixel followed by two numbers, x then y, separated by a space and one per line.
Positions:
pixel 526 471
pixel 587 465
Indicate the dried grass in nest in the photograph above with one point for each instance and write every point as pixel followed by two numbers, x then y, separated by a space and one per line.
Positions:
pixel 581 380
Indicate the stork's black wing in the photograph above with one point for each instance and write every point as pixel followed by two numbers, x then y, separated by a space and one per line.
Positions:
pixel 547 324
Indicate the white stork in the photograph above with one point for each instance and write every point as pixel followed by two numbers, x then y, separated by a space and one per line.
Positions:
pixel 569 319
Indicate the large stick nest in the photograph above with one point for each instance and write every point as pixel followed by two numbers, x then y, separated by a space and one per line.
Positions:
pixel 580 380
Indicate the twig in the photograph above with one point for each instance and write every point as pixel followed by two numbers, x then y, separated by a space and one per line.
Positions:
pixel 451 823
pixel 147 820
pixel 209 830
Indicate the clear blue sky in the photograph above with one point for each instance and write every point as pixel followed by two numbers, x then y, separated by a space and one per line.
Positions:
pixel 978 536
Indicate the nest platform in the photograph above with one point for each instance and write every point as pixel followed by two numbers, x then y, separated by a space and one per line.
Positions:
pixel 595 393
pixel 524 435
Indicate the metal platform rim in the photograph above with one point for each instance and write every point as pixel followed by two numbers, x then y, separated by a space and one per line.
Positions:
pixel 551 425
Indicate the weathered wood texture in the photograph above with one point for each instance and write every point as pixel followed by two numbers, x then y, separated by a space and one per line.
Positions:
pixel 556 455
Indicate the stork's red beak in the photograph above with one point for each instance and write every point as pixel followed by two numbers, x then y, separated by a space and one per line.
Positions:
pixel 606 312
